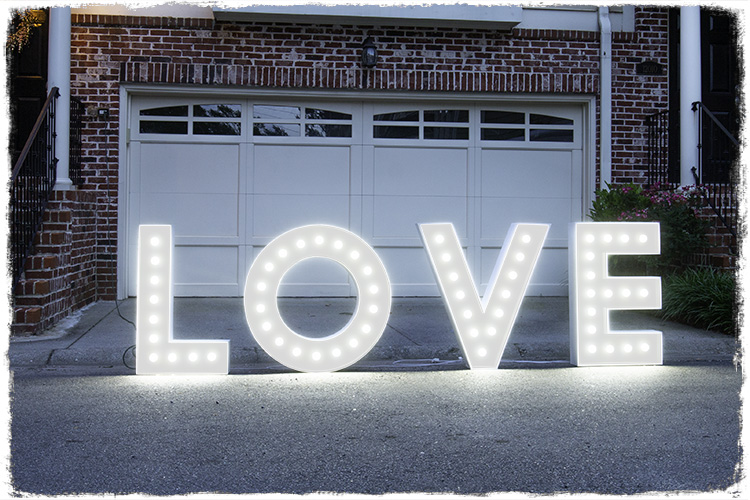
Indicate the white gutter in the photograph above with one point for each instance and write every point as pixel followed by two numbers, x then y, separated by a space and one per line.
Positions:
pixel 58 75
pixel 605 98
pixel 690 90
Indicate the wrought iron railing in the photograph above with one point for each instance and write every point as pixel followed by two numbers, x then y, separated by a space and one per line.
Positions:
pixel 718 154
pixel 658 148
pixel 77 111
pixel 32 181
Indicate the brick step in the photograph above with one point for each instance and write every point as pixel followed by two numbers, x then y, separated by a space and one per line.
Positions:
pixel 40 262
pixel 27 286
pixel 26 320
pixel 52 238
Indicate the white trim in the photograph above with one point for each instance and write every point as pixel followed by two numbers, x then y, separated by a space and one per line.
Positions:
pixel 350 94
pixel 122 196
pixel 502 17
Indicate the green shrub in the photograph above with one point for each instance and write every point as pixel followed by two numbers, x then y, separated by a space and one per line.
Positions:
pixel 703 297
pixel 683 233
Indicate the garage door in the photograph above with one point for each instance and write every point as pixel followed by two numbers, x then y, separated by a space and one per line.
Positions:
pixel 230 174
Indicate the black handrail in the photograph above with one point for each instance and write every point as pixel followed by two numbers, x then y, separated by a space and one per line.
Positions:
pixel 32 181
pixel 726 211
pixel 718 153
pixel 77 112
pixel 698 104
pixel 54 93
pixel 658 148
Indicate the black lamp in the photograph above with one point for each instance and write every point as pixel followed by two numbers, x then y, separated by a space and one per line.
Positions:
pixel 369 53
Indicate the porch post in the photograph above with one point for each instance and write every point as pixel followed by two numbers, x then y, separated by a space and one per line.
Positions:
pixel 690 90
pixel 58 75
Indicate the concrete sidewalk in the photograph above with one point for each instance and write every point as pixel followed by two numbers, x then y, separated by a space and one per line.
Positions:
pixel 419 332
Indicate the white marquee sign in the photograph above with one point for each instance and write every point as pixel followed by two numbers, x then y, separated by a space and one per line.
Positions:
pixel 482 324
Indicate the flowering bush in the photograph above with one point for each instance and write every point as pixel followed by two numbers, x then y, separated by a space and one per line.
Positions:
pixel 682 231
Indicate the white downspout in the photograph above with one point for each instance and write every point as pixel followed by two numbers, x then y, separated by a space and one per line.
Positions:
pixel 690 89
pixel 605 99
pixel 58 75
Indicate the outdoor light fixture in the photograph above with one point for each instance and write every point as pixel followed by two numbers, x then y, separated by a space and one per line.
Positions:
pixel 369 53
pixel 156 351
pixel 341 348
pixel 483 326
pixel 593 293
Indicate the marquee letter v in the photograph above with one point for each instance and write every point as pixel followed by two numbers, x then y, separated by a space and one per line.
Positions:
pixel 483 325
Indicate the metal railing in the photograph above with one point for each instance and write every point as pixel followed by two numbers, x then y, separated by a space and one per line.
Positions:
pixel 32 181
pixel 77 111
pixel 658 148
pixel 718 154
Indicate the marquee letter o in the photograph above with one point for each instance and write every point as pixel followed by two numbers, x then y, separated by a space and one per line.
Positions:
pixel 342 348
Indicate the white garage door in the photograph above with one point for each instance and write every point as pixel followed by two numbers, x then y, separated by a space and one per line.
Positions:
pixel 230 174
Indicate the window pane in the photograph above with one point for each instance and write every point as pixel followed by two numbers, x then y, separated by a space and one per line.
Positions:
pixel 502 117
pixel 216 128
pixel 551 135
pixel 166 111
pixel 322 114
pixel 154 127
pixel 387 132
pixel 503 134
pixel 549 120
pixel 218 110
pixel 456 133
pixel 275 112
pixel 447 115
pixel 399 116
pixel 277 129
pixel 323 130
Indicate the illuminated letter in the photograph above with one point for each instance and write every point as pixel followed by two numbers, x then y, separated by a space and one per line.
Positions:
pixel 156 351
pixel 483 326
pixel 342 348
pixel 593 293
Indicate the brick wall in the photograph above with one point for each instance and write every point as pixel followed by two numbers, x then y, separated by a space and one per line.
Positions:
pixel 109 50
pixel 634 96
pixel 61 276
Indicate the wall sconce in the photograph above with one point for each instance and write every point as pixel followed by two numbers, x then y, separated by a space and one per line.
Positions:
pixel 369 53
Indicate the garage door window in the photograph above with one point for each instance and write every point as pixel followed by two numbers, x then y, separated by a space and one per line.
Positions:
pixel 206 119
pixel 292 121
pixel 499 125
pixel 442 124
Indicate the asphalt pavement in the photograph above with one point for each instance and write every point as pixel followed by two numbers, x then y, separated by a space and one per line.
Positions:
pixel 419 332
pixel 408 418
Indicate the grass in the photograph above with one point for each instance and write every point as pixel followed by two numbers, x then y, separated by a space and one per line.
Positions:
pixel 702 297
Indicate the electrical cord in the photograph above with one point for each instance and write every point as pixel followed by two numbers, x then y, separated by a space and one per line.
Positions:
pixel 117 303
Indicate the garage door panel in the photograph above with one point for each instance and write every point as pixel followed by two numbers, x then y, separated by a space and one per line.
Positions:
pixel 206 271
pixel 191 215
pixel 316 276
pixel 526 173
pixel 406 265
pixel 499 213
pixel 189 168
pixel 290 169
pixel 230 195
pixel 398 216
pixel 420 171
pixel 548 278
pixel 276 214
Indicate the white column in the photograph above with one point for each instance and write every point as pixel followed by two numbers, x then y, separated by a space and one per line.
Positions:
pixel 605 95
pixel 690 89
pixel 58 75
